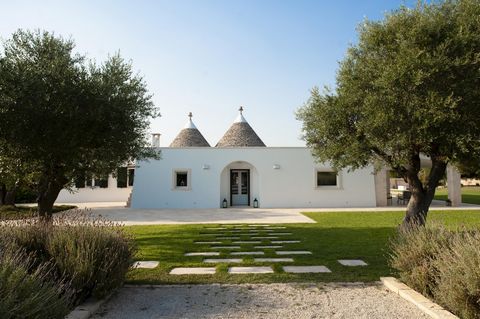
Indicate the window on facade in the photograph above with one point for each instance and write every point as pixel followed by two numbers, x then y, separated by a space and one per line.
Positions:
pixel 181 179
pixel 326 179
pixel 101 182
pixel 122 176
pixel 131 175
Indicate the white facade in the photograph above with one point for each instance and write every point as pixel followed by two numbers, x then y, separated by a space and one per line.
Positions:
pixel 279 177
pixel 96 194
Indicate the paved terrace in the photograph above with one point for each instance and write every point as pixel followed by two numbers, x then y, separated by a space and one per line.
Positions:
pixel 115 211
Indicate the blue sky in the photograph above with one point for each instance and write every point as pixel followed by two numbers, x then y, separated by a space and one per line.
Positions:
pixel 209 57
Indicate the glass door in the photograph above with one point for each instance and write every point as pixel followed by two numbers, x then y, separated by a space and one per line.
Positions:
pixel 240 187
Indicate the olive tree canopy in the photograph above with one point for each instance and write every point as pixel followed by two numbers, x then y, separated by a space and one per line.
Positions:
pixel 409 88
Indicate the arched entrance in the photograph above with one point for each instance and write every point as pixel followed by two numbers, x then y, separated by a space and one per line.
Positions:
pixel 239 184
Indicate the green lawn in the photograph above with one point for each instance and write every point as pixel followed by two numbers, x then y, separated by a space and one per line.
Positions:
pixel 339 235
pixel 470 195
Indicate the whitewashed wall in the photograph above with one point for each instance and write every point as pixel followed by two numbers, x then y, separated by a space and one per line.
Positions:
pixel 292 185
pixel 96 194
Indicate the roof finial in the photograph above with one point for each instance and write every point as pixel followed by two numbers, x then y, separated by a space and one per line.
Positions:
pixel 190 115
pixel 241 109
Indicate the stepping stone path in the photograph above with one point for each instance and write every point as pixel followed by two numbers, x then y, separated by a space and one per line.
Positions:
pixel 273 260
pixel 305 269
pixel 248 253
pixel 145 264
pixel 224 260
pixel 250 270
pixel 294 252
pixel 193 271
pixel 352 262
pixel 267 238
pixel 212 253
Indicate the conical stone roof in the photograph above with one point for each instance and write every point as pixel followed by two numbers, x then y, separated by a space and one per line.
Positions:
pixel 240 134
pixel 190 136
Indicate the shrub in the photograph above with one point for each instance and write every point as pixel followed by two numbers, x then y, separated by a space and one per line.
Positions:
pixel 458 275
pixel 442 264
pixel 93 255
pixel 29 294
pixel 413 252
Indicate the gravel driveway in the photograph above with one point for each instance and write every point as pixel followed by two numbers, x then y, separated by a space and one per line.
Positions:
pixel 349 300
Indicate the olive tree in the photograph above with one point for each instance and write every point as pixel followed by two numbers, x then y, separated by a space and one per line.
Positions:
pixel 409 88
pixel 67 114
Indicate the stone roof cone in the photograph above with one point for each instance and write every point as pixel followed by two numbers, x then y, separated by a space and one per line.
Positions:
pixel 189 136
pixel 240 134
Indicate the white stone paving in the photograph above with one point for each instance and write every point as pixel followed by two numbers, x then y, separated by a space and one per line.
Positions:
pixel 225 247
pixel 250 270
pixel 193 271
pixel 208 242
pixel 352 262
pixel 247 242
pixel 280 234
pixel 239 253
pixel 293 252
pixel 273 260
pixel 306 269
pixel 222 260
pixel 285 241
pixel 211 253
pixel 228 237
pixel 264 237
pixel 145 264
pixel 268 247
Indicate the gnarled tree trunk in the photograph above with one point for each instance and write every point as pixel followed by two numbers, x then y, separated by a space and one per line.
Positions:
pixel 48 190
pixel 422 195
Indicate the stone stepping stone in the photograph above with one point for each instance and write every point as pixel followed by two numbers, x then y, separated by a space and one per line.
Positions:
pixel 259 225
pixel 264 237
pixel 145 264
pixel 225 247
pixel 268 247
pixel 285 241
pixel 247 242
pixel 279 234
pixel 276 227
pixel 293 252
pixel 273 260
pixel 222 260
pixel 352 262
pixel 211 253
pixel 215 228
pixel 306 269
pixel 193 271
pixel 208 242
pixel 210 234
pixel 250 270
pixel 228 237
pixel 247 253
pixel 249 234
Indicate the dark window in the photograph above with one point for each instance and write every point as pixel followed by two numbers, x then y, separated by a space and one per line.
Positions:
pixel 182 179
pixel 131 176
pixel 80 181
pixel 121 177
pixel 101 182
pixel 89 181
pixel 326 179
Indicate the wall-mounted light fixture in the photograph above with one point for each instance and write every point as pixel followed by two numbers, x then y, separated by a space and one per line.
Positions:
pixel 206 166
pixel 276 166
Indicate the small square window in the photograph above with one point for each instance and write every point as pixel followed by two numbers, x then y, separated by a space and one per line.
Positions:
pixel 182 179
pixel 326 179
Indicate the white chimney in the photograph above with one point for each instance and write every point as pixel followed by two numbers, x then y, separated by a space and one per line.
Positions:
pixel 156 139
